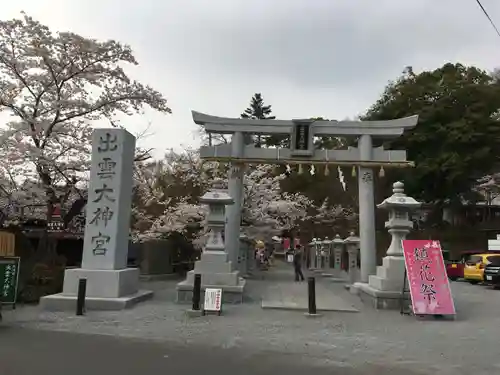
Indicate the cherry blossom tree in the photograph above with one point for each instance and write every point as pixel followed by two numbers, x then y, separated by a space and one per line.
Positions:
pixel 167 199
pixel 266 209
pixel 489 187
pixel 166 194
pixel 55 86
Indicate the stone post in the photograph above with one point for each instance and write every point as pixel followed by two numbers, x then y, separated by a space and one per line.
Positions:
pixel 214 266
pixel 110 284
pixel 384 288
pixel 352 244
pixel 366 211
pixel 235 187
pixel 338 247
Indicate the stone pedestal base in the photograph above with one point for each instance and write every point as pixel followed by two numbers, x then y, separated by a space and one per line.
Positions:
pixel 216 272
pixel 106 290
pixel 232 294
pixel 380 300
pixel 383 290
pixel 390 275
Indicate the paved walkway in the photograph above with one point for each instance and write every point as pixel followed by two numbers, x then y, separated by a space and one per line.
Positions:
pixel 286 294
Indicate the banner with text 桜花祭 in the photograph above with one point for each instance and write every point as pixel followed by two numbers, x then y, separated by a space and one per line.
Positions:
pixel 429 285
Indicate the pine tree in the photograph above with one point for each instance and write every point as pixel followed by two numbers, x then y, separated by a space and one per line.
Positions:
pixel 259 111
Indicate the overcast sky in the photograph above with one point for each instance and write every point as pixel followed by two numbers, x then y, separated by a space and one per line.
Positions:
pixel 329 58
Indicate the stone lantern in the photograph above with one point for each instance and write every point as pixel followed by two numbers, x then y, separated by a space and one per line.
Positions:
pixel 217 200
pixel 214 266
pixel 399 224
pixel 352 245
pixel 245 255
pixel 312 254
pixel 326 245
pixel 338 247
pixel 384 288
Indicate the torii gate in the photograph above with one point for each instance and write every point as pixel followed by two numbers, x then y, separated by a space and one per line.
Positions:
pixel 302 132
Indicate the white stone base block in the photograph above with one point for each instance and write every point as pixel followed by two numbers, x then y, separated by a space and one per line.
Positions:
pixel 380 300
pixel 384 290
pixel 106 290
pixel 390 275
pixel 216 272
pixel 231 294
pixel 61 302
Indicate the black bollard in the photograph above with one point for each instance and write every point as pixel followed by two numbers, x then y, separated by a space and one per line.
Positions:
pixel 197 292
pixel 311 286
pixel 80 301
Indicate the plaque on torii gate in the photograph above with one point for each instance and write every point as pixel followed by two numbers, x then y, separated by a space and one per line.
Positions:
pixel 302 151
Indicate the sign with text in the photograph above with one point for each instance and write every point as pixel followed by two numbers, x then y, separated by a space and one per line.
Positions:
pixel 429 286
pixel 9 279
pixel 109 200
pixel 302 137
pixel 213 300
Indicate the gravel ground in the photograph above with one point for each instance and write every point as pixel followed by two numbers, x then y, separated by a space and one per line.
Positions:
pixel 466 345
pixel 52 352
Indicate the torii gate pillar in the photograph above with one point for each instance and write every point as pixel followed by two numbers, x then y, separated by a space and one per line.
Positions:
pixel 366 212
pixel 233 212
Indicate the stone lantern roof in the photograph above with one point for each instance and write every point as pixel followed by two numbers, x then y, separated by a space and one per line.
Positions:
pixel 326 241
pixel 337 239
pixel 399 199
pixel 217 195
pixel 351 239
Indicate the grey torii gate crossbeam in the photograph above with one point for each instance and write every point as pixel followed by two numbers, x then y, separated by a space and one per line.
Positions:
pixel 302 151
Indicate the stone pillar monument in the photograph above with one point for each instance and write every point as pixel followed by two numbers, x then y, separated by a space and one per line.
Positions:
pixel 352 244
pixel 366 211
pixel 214 266
pixel 110 284
pixel 233 211
pixel 384 289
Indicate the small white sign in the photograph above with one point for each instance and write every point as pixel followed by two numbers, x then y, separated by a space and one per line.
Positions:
pixel 213 299
pixel 289 258
pixel 493 245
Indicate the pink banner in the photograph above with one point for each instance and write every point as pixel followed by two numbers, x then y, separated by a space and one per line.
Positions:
pixel 429 286
pixel 286 244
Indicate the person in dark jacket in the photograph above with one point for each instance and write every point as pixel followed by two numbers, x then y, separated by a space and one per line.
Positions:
pixel 297 263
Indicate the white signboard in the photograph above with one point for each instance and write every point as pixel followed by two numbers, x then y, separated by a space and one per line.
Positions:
pixel 493 245
pixel 213 300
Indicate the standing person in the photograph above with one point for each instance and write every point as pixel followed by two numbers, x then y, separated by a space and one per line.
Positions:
pixel 297 263
pixel 270 251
